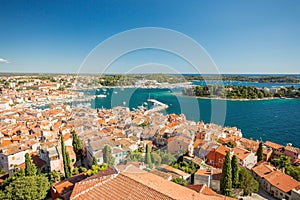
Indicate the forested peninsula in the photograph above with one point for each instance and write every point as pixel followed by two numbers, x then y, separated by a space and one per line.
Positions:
pixel 241 92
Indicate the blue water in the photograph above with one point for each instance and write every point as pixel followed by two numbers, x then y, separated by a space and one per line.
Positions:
pixel 276 120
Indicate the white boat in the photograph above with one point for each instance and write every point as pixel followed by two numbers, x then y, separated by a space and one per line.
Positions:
pixel 101 95
pixel 115 92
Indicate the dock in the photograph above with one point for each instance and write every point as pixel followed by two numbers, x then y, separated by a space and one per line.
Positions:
pixel 158 106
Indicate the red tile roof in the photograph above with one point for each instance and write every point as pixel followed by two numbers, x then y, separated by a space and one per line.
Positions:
pixel 200 188
pixel 196 188
pixel 65 187
pixel 263 168
pixel 222 150
pixel 139 185
pixel 6 143
pixel 273 145
pixel 282 181
pixel 242 154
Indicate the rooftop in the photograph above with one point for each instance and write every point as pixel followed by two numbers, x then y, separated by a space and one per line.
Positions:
pixel 273 145
pixel 263 168
pixel 282 181
pixel 139 184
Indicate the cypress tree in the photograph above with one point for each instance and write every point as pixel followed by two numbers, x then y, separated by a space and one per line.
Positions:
pixel 107 156
pixel 77 146
pixel 259 152
pixel 235 171
pixel 30 168
pixel 226 177
pixel 148 156
pixel 66 158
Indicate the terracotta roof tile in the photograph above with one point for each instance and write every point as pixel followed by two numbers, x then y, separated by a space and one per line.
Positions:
pixel 197 188
pixel 222 150
pixel 206 190
pixel 138 184
pixel 5 143
pixel 282 181
pixel 242 154
pixel 263 168
pixel 273 145
pixel 66 186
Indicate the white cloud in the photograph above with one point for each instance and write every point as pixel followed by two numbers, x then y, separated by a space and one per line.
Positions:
pixel 2 60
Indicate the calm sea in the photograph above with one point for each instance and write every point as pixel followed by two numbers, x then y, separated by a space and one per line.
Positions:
pixel 276 120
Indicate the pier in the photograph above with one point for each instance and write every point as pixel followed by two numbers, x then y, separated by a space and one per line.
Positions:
pixel 158 106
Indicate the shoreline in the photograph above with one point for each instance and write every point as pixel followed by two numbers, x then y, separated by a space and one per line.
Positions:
pixel 225 99
pixel 158 86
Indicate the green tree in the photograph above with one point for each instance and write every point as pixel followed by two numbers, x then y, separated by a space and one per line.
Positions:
pixel 75 171
pixel 136 156
pixel 66 158
pixel 281 162
pixel 167 158
pixel 226 177
pixel 148 156
pixel 235 171
pixel 107 156
pixel 247 182
pixel 156 159
pixel 28 187
pixel 30 168
pixel 97 168
pixel 293 171
pixel 259 152
pixel 17 174
pixel 2 195
pixel 77 146
pixel 179 181
pixel 94 161
pixel 54 176
pixel 188 167
pixel 82 169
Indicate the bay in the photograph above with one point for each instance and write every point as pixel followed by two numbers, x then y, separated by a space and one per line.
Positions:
pixel 275 120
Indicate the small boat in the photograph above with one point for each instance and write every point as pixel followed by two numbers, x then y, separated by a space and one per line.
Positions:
pixel 115 92
pixel 101 95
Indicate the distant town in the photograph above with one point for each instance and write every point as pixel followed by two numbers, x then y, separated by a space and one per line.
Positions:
pixel 77 152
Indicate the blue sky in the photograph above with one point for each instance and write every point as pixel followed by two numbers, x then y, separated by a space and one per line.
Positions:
pixel 240 36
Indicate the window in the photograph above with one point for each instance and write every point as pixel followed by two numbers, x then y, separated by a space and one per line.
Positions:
pixel 72 160
pixel 211 161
